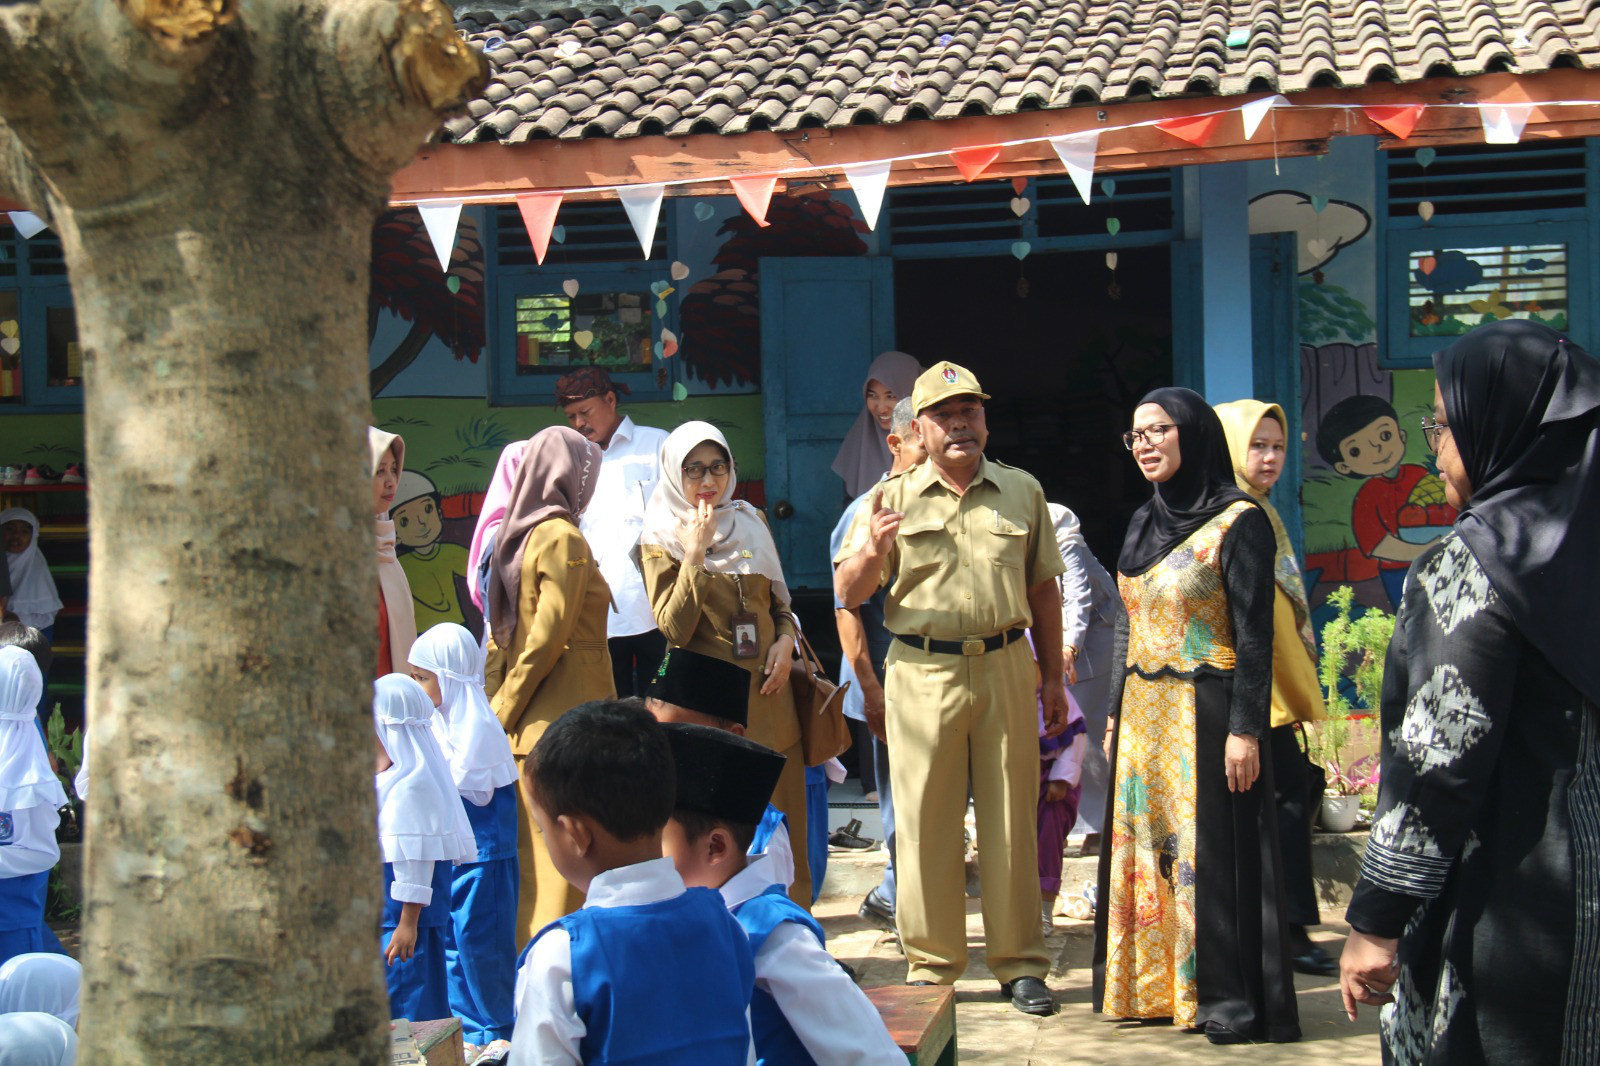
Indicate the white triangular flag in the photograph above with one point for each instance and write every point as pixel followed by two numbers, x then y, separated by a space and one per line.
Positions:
pixel 868 181
pixel 643 204
pixel 1255 111
pixel 28 224
pixel 441 220
pixel 1076 151
pixel 1501 124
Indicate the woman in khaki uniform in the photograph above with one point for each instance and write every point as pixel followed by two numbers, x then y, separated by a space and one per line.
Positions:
pixel 547 622
pixel 716 587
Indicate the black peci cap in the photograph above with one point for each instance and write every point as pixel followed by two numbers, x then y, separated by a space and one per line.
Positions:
pixel 722 774
pixel 701 683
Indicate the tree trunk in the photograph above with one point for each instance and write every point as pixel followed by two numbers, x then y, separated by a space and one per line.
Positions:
pixel 216 221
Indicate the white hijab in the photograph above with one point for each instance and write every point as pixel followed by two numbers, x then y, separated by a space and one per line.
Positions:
pixel 33 590
pixel 420 817
pixel 32 1038
pixel 466 728
pixel 742 543
pixel 41 981
pixel 26 779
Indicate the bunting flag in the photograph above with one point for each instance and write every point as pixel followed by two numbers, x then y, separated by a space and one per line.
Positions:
pixel 539 216
pixel 28 224
pixel 643 204
pixel 972 162
pixel 868 181
pixel 1503 124
pixel 1256 110
pixel 1076 152
pixel 442 220
pixel 1197 130
pixel 1399 120
pixel 755 194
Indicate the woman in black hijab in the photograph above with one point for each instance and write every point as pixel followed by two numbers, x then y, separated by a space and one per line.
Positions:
pixel 1188 926
pixel 1478 909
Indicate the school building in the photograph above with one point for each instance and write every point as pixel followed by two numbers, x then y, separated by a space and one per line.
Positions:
pixel 1297 201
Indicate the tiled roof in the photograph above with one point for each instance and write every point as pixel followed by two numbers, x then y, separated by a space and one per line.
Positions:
pixel 782 66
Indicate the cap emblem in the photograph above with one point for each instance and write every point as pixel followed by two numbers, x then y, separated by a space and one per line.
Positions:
pixel 949 375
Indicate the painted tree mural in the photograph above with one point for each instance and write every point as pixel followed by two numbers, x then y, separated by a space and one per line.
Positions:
pixel 406 279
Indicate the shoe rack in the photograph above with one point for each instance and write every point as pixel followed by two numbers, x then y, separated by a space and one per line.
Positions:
pixel 63 512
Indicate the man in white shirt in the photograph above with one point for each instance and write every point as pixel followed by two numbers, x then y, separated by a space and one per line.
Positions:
pixel 611 525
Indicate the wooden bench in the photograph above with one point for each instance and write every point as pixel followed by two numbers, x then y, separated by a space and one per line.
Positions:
pixel 921 1019
pixel 438 1042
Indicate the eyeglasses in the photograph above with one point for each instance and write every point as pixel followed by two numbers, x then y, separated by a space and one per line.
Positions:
pixel 1151 435
pixel 1433 432
pixel 696 471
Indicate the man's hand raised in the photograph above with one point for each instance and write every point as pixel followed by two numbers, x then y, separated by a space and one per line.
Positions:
pixel 883 528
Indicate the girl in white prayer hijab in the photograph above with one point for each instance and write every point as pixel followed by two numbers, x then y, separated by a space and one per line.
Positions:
pixel 481 956
pixel 32 1038
pixel 33 591
pixel 42 981
pixel 422 830
pixel 30 796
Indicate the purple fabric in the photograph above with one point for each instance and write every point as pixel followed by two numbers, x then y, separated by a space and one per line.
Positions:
pixel 1055 822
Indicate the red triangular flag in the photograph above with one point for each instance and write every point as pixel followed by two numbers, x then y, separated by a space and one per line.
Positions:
pixel 1399 120
pixel 974 161
pixel 539 216
pixel 755 193
pixel 1019 185
pixel 1197 131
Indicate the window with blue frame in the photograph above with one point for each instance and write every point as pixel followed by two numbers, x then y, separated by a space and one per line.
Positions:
pixel 41 363
pixel 1482 233
pixel 594 302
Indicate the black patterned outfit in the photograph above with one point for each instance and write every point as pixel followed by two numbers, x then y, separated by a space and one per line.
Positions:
pixel 1484 859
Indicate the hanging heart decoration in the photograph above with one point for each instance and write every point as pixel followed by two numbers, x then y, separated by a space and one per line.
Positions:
pixel 1425 156
pixel 1113 226
pixel 1020 205
pixel 1425 209
pixel 1020 249
pixel 570 287
pixel 1111 260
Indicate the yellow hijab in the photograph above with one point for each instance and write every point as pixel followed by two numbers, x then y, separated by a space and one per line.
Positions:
pixel 1239 421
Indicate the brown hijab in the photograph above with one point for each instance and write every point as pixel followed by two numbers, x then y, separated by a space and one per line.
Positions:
pixel 557 478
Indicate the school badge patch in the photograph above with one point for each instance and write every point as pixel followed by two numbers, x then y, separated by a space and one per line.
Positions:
pixel 949 375
pixel 8 827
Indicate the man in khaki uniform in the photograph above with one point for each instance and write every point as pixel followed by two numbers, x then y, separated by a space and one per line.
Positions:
pixel 968 552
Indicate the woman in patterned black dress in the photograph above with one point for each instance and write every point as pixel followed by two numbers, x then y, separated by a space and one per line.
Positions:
pixel 1477 916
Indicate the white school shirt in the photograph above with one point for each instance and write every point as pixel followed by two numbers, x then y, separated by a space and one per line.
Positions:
pixel 28 840
pixel 833 1018
pixel 548 1028
pixel 780 856
pixel 615 518
pixel 413 881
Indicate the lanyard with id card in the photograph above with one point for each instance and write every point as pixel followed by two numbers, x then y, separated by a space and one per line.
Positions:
pixel 742 624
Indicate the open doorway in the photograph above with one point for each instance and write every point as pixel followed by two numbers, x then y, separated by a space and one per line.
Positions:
pixel 1064 364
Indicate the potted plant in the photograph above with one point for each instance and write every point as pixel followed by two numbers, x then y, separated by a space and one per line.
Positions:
pixel 1364 640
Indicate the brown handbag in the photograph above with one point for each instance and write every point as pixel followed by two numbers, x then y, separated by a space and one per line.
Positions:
pixel 819 704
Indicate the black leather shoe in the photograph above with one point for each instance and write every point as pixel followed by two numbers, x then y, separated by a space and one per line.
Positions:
pixel 875 912
pixel 1029 995
pixel 1218 1033
pixel 1316 962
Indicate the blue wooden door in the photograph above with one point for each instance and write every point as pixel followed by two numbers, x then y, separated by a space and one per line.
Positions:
pixel 1275 340
pixel 823 321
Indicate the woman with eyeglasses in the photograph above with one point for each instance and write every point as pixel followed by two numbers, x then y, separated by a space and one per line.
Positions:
pixel 1189 926
pixel 1476 913
pixel 716 586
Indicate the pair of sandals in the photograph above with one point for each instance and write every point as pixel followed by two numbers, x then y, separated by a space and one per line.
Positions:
pixel 1081 906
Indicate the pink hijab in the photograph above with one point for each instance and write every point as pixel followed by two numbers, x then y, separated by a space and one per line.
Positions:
pixel 493 512
pixel 864 456
pixel 557 478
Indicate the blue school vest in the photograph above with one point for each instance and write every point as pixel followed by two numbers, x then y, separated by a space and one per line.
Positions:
pixel 434 914
pixel 776 1042
pixel 770 821
pixel 22 901
pixel 665 983
pixel 494 825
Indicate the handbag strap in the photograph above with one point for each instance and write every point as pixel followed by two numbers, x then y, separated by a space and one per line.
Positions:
pixel 802 646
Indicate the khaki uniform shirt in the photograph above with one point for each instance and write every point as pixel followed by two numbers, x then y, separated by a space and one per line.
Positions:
pixel 962 563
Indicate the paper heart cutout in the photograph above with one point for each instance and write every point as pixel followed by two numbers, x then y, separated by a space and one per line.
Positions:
pixel 1019 185
pixel 658 348
pixel 583 338
pixel 1108 186
pixel 659 287
pixel 559 233
pixel 1111 260
pixel 10 345
pixel 679 393
pixel 702 211
pixel 1318 203
pixel 8 328
pixel 1020 249
pixel 1425 209
pixel 1113 226
pixel 1319 248
pixel 680 271
pixel 668 344
pixel 661 309
pixel 570 287
pixel 1425 156
pixel 1020 205
pixel 453 283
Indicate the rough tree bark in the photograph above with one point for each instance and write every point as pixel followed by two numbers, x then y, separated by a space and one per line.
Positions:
pixel 214 169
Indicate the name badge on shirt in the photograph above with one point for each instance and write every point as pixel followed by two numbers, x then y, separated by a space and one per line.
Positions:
pixel 8 828
pixel 746 635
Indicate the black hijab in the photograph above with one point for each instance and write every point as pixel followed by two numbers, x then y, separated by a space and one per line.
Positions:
pixel 1523 404
pixel 1201 489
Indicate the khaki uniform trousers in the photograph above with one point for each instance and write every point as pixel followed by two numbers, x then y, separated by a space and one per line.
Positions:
pixel 948 716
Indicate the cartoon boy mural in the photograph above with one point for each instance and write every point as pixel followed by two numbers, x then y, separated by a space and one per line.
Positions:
pixel 1400 510
pixel 431 565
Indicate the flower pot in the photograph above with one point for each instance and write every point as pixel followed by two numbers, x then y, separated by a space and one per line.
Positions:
pixel 1339 813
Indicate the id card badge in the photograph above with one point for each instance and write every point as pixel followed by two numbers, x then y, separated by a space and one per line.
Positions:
pixel 746 643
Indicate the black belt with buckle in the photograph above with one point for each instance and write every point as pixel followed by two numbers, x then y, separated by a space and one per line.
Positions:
pixel 969 646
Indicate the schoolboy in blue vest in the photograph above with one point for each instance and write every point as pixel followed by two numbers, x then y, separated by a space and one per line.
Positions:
pixel 647 971
pixel 698 689
pixel 806 1009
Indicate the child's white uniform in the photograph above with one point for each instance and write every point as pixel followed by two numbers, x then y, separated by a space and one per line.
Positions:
pixel 29 798
pixel 833 1018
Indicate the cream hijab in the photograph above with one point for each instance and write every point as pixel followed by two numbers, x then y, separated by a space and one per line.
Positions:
pixel 420 816
pixel 864 455
pixel 742 543
pixel 391 576
pixel 1239 421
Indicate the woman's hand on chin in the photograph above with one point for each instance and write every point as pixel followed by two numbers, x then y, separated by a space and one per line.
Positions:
pixel 780 657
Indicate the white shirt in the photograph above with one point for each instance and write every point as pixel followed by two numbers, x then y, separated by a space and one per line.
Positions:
pixel 833 1018
pixel 779 856
pixel 615 518
pixel 28 841
pixel 413 881
pixel 548 1028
